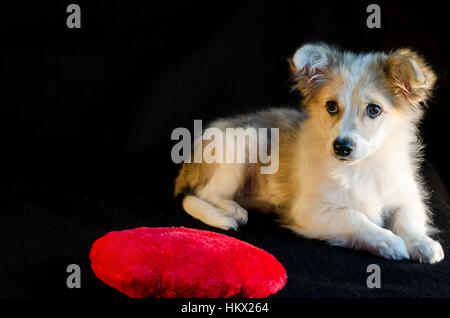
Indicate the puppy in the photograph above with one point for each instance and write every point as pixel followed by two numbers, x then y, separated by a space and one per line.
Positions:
pixel 348 157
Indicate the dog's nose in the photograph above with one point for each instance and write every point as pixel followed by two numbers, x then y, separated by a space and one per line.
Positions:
pixel 342 147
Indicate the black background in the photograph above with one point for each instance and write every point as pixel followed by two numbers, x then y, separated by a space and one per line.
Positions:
pixel 105 98
pixel 86 114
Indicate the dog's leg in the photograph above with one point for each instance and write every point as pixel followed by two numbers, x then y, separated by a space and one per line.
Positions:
pixel 410 223
pixel 348 228
pixel 214 204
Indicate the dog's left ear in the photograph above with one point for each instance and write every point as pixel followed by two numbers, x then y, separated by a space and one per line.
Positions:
pixel 409 75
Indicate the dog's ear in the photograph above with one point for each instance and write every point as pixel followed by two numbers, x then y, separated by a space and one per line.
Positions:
pixel 409 76
pixel 310 66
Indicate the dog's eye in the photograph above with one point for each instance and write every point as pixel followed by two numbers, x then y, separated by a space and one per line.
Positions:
pixel 373 110
pixel 332 107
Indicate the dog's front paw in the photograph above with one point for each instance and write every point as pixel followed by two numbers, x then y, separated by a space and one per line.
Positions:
pixel 391 246
pixel 425 250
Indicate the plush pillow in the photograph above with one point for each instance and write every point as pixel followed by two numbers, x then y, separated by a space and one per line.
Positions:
pixel 183 262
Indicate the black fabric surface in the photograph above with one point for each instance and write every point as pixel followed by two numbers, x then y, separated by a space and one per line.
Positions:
pixel 44 227
pixel 86 117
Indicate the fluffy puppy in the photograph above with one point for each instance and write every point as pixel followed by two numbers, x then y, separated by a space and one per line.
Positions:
pixel 348 157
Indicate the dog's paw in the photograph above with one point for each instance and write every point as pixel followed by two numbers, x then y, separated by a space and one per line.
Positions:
pixel 224 222
pixel 425 250
pixel 234 210
pixel 391 246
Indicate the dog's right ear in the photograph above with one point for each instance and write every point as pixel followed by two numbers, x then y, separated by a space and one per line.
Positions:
pixel 310 66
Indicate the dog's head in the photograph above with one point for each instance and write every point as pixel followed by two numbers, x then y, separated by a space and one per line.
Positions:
pixel 358 100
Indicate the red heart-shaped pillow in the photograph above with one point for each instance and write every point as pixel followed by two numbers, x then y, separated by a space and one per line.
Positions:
pixel 182 262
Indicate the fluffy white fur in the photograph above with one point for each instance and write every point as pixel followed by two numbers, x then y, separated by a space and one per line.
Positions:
pixel 373 200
